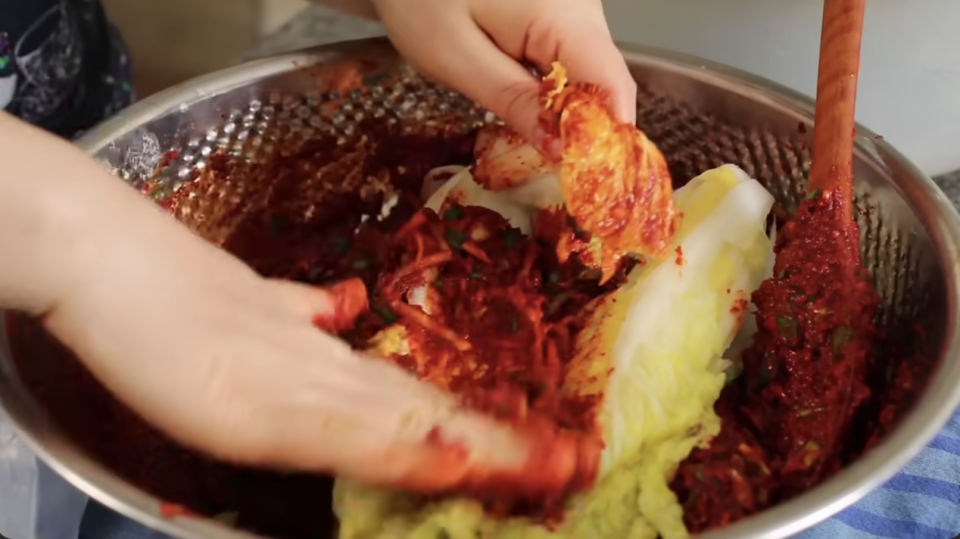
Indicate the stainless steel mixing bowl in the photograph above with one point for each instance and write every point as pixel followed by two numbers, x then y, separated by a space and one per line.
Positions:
pixel 701 115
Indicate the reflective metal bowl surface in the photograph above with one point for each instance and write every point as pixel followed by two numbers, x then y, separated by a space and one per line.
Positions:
pixel 700 114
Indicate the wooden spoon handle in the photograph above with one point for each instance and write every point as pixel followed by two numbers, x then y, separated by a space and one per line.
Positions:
pixel 834 127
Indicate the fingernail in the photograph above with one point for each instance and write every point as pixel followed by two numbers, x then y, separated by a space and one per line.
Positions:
pixel 627 109
pixel 439 468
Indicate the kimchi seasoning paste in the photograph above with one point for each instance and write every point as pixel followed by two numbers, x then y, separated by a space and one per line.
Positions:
pixel 787 420
pixel 491 315
pixel 808 366
pixel 728 480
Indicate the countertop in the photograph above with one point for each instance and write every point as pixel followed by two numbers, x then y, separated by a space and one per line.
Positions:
pixel 317 25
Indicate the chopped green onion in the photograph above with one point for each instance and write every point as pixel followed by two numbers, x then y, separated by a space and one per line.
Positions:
pixel 768 371
pixel 841 336
pixel 316 273
pixel 455 238
pixel 808 411
pixel 361 264
pixel 385 313
pixel 454 213
pixel 475 275
pixel 343 245
pixel 511 238
pixel 438 283
pixel 763 379
pixel 787 326
pixel 590 274
pixel 733 372
pixel 276 223
pixel 813 194
pixel 514 322
pixel 556 303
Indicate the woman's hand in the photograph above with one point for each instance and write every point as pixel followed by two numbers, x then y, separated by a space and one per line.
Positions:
pixel 216 356
pixel 477 46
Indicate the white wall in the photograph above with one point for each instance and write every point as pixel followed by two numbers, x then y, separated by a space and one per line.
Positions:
pixel 910 75
pixel 174 40
pixel 275 13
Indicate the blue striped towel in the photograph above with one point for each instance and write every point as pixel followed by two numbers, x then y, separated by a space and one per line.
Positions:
pixel 921 502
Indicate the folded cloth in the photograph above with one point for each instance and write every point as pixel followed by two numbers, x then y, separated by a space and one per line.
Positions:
pixel 920 502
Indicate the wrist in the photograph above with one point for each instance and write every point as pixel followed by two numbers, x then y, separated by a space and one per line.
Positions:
pixel 54 204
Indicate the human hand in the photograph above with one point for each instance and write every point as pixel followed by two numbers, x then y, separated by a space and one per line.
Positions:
pixel 218 357
pixel 477 46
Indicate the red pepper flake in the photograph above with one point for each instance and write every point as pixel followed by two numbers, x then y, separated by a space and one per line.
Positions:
pixel 347 301
pixel 802 128
pixel 167 159
pixel 853 133
pixel 394 262
pixel 878 137
pixel 173 510
pixel 679 255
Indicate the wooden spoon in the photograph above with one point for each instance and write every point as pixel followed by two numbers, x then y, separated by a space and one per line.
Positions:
pixel 834 127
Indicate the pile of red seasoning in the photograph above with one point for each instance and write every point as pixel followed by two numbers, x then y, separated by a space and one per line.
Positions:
pixel 490 315
pixel 813 394
pixel 482 280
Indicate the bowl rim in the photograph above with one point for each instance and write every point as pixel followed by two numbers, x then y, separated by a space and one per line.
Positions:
pixel 916 430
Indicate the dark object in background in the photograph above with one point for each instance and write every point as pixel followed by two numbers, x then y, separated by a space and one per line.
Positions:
pixel 62 66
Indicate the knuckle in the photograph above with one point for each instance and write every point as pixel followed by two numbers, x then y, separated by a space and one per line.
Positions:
pixel 231 418
pixel 513 99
